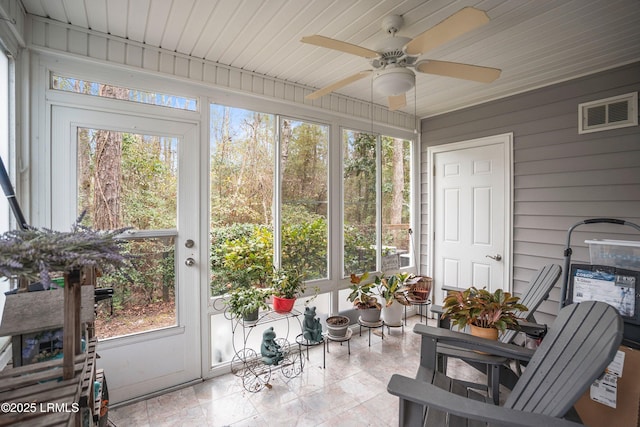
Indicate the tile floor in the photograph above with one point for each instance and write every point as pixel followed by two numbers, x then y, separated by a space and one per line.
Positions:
pixel 350 391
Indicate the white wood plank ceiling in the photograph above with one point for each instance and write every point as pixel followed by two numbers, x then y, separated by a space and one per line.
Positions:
pixel 535 43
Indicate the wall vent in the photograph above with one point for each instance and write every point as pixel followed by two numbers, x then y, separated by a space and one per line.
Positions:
pixel 610 113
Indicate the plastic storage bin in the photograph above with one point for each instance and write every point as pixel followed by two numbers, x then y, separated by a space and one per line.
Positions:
pixel 617 253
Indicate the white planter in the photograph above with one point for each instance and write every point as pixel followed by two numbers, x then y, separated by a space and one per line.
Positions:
pixel 370 315
pixel 392 315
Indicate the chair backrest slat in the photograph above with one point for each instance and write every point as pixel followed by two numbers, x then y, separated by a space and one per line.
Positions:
pixel 578 347
pixel 538 290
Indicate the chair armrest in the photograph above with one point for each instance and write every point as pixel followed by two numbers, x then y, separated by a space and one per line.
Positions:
pixel 440 322
pixel 470 342
pixel 424 393
pixel 436 309
pixel 532 328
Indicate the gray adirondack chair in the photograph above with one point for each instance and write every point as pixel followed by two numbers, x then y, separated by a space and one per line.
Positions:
pixel 579 345
pixel 496 367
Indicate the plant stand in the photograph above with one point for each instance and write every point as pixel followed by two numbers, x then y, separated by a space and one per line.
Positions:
pixel 346 338
pixel 63 391
pixel 302 342
pixel 370 326
pixel 247 364
pixel 421 305
pixel 392 316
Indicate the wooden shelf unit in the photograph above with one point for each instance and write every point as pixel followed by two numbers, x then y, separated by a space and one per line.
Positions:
pixel 57 392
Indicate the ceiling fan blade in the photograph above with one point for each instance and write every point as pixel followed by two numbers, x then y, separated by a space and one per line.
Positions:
pixel 459 71
pixel 457 24
pixel 334 44
pixel 337 85
pixel 397 101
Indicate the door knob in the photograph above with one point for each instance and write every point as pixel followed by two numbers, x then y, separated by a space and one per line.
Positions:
pixel 190 261
pixel 498 257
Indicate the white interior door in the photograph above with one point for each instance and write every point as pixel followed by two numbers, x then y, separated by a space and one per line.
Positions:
pixel 152 352
pixel 470 205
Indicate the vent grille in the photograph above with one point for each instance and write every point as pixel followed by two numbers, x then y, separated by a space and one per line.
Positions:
pixel 610 113
pixel 618 111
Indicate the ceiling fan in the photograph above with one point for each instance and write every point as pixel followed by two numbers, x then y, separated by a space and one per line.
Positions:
pixel 395 55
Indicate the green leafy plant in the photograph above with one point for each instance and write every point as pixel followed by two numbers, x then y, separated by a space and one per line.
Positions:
pixel 363 295
pixel 391 288
pixel 243 301
pixel 287 283
pixel 482 308
pixel 250 258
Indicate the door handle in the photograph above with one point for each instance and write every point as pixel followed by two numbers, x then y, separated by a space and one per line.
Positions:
pixel 189 262
pixel 498 257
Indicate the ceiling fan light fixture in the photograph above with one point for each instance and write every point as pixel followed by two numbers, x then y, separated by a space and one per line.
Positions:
pixel 393 81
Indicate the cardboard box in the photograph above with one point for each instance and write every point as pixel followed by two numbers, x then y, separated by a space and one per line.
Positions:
pixel 627 402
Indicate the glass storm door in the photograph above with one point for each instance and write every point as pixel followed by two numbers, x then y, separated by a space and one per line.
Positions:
pixel 136 173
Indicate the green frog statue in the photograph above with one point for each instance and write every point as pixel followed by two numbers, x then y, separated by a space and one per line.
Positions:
pixel 270 350
pixel 311 327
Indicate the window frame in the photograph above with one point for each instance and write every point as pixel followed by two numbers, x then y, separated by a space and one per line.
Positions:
pixel 413 218
pixel 336 118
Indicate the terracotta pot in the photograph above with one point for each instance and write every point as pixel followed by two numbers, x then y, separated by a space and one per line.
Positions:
pixel 283 305
pixel 487 333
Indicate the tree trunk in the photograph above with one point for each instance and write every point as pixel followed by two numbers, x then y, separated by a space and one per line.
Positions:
pixel 107 174
pixel 107 180
pixel 84 170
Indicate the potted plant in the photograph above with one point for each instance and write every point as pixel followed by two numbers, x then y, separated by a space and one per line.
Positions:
pixel 364 297
pixel 247 302
pixel 337 326
pixel 392 290
pixel 485 312
pixel 286 286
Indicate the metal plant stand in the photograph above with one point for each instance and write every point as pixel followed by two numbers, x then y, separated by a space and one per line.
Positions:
pixel 247 363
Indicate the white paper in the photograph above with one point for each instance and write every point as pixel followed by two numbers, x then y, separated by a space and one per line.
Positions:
pixel 605 390
pixel 616 365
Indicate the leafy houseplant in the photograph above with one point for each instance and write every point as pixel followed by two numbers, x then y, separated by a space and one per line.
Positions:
pixel 286 285
pixel 393 290
pixel 364 297
pixel 481 308
pixel 247 302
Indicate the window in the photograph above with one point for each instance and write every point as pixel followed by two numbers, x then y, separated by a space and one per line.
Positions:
pixel 359 202
pixel 241 184
pixel 396 203
pixel 244 236
pixel 377 196
pixel 304 186
pixel 4 136
pixel 86 87
pixel 5 212
pixel 130 180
